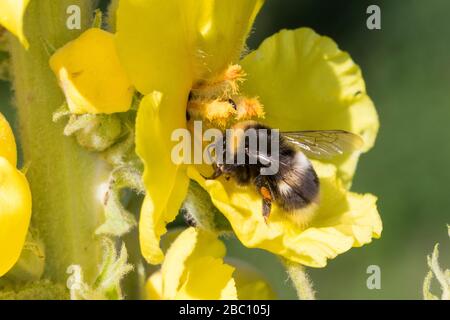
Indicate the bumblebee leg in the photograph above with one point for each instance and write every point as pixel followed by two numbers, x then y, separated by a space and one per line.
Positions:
pixel 266 201
pixel 266 208
pixel 217 173
pixel 267 195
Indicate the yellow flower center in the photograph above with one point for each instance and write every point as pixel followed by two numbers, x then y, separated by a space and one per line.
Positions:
pixel 218 102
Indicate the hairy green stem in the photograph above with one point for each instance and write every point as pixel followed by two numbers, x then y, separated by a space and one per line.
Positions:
pixel 300 279
pixel 64 177
pixel 134 283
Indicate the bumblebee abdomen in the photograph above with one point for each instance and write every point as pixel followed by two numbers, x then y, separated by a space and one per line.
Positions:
pixel 297 184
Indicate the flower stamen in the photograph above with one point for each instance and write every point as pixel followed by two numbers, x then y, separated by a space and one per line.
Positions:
pixel 222 86
pixel 217 101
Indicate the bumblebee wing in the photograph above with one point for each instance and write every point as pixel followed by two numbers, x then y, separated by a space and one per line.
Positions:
pixel 263 158
pixel 324 144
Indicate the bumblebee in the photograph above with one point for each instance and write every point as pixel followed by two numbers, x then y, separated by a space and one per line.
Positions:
pixel 294 185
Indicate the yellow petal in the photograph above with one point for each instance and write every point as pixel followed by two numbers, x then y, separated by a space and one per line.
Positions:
pixel 306 83
pixel 250 284
pixel 162 41
pixel 11 17
pixel 230 291
pixel 15 213
pixel 340 221
pixel 198 286
pixel 90 74
pixel 223 27
pixel 155 61
pixel 195 270
pixel 206 279
pixel 163 60
pixel 190 245
pixel 153 49
pixel 166 183
pixel 155 217
pixel 7 142
pixel 153 287
pixel 254 290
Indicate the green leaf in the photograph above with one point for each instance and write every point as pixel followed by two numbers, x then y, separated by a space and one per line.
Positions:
pixel 118 221
pixel 443 277
pixel 107 283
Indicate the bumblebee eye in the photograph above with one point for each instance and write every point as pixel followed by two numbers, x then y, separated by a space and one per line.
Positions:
pixel 188 116
pixel 231 101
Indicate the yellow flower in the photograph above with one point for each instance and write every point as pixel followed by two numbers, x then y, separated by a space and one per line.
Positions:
pixel 194 269
pixel 250 284
pixel 15 201
pixel 202 38
pixel 90 74
pixel 304 82
pixel 11 17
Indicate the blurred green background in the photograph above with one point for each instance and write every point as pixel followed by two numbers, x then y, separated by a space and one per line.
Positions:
pixel 406 66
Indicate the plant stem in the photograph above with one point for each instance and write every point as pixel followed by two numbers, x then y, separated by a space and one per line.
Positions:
pixel 300 279
pixel 63 176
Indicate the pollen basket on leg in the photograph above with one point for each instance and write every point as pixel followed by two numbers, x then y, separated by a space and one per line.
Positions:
pixel 217 101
